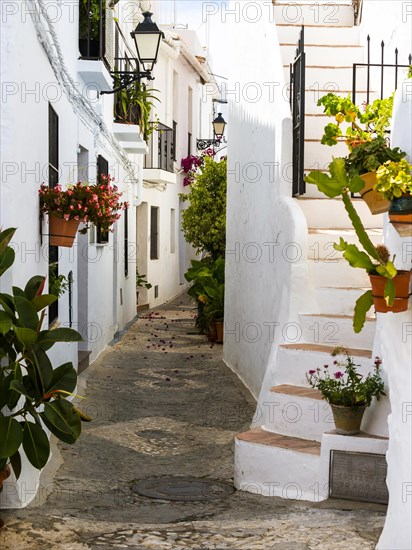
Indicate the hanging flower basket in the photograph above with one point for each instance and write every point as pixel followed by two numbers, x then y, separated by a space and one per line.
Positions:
pixel 62 232
pixel 402 284
pixel 400 215
pixel 377 203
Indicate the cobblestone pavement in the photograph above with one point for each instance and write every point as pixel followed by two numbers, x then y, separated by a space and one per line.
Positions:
pixel 164 404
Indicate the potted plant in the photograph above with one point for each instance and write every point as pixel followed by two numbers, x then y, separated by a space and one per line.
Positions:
pixel 33 394
pixel 58 284
pixel 140 283
pixel 347 391
pixel 390 288
pixel 366 138
pixel 66 209
pixel 394 183
pixel 104 204
pixel 215 306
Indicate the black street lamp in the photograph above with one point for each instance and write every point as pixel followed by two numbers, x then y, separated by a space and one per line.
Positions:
pixel 147 37
pixel 219 125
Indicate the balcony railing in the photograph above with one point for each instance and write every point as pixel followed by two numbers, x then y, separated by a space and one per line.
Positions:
pixel 161 149
pixel 92 28
pixel 126 107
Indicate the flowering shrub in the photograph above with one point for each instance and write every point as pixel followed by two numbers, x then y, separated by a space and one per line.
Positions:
pixel 99 203
pixel 347 387
pixel 192 163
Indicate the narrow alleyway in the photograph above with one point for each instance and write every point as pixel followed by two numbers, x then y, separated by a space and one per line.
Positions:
pixel 164 404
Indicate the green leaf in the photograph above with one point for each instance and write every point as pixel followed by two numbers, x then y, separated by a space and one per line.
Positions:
pixel 5 238
pixel 36 444
pixel 338 172
pixel 13 395
pixel 40 302
pixel 33 286
pixel 62 420
pixel 357 258
pixel 359 228
pixel 19 387
pixel 26 336
pixel 356 184
pixel 362 306
pixel 27 313
pixel 11 436
pixel 5 322
pixel 326 185
pixel 389 293
pixel 6 260
pixel 15 462
pixel 8 305
pixel 17 291
pixel 60 335
pixel 64 378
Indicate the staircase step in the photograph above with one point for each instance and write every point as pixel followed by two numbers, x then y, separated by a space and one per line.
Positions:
pixel 314 13
pixel 336 330
pixel 324 54
pixel 333 77
pixel 337 300
pixel 295 360
pixel 326 213
pixel 327 34
pixel 336 272
pixel 321 241
pixel 296 411
pixel 272 464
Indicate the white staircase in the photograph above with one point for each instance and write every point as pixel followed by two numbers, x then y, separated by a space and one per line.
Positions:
pixel 286 452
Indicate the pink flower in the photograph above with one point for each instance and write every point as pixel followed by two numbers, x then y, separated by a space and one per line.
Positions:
pixel 338 375
pixel 312 372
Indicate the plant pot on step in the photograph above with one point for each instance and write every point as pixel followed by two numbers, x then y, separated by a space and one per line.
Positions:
pixel 376 203
pixel 348 420
pixel 402 284
pixel 62 232
pixel 212 332
pixel 400 215
pixel 4 474
pixel 220 331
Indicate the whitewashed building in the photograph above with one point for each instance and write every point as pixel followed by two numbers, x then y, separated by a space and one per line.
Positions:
pixel 58 126
pixel 289 296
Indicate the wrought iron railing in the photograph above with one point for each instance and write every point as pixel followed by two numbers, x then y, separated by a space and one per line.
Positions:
pixel 126 106
pixel 382 76
pixel 92 26
pixel 161 149
pixel 297 102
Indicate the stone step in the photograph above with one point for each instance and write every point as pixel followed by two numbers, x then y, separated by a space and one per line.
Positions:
pixel 334 78
pixel 273 464
pixel 319 34
pixel 336 272
pixel 337 300
pixel 324 54
pixel 338 14
pixel 336 330
pixel 295 360
pixel 296 411
pixel 321 241
pixel 324 213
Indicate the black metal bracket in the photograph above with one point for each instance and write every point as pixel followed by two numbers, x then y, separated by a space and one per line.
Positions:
pixel 203 144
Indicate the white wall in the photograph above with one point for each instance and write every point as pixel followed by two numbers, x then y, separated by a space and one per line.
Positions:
pixel 266 231
pixel 394 334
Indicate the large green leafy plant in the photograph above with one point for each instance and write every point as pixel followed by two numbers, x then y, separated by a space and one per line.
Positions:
pixel 134 106
pixel 204 221
pixel 394 179
pixel 374 259
pixel 33 394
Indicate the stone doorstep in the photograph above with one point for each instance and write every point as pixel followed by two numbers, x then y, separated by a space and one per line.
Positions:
pixel 297 391
pixel 262 437
pixel 326 349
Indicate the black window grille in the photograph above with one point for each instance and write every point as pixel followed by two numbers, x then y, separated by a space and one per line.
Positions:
pixel 174 143
pixel 92 28
pixel 53 181
pixel 161 149
pixel 154 233
pixel 102 236
pixel 126 242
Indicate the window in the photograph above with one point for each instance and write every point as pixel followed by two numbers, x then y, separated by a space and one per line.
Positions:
pixel 174 144
pixel 102 237
pixel 154 233
pixel 53 181
pixel 126 242
pixel 172 230
pixel 189 144
pixel 92 27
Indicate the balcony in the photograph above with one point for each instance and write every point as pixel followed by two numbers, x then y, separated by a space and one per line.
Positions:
pixel 159 161
pixel 94 32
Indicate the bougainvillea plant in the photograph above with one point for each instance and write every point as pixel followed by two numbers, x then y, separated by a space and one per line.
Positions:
pixel 98 203
pixel 192 163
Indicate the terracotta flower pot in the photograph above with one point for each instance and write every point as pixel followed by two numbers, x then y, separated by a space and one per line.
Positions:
pixel 376 203
pixel 348 420
pixel 62 232
pixel 212 332
pixel 402 284
pixel 400 215
pixel 4 474
pixel 220 331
